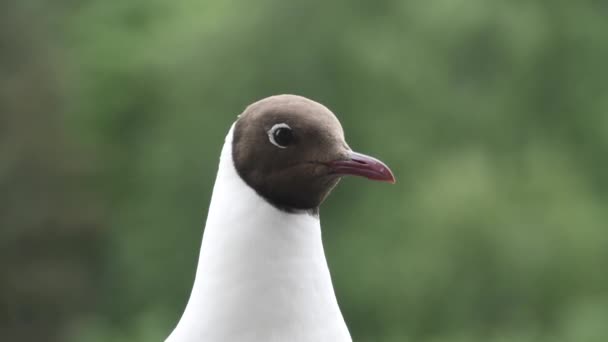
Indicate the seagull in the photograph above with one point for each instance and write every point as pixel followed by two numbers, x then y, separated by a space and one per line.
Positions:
pixel 262 275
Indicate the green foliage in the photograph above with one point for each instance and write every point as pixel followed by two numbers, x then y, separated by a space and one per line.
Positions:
pixel 493 116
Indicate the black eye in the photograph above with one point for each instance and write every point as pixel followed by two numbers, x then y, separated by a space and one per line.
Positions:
pixel 281 135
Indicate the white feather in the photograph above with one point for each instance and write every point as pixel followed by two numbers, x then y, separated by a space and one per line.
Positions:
pixel 262 274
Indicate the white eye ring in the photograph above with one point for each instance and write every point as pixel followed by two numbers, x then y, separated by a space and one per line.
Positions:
pixel 273 130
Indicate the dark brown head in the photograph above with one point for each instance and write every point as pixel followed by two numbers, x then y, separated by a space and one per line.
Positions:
pixel 292 152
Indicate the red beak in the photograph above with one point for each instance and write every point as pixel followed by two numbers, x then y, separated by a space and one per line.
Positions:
pixel 358 164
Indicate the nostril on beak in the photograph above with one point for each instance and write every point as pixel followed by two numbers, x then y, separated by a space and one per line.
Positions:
pixel 355 158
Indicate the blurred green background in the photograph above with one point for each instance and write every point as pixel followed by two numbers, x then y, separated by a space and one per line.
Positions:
pixel 492 114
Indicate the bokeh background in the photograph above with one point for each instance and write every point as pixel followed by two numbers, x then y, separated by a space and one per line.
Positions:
pixel 492 114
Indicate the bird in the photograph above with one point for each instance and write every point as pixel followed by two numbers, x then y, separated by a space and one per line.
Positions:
pixel 262 275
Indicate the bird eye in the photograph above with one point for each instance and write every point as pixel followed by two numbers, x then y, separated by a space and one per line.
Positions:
pixel 280 135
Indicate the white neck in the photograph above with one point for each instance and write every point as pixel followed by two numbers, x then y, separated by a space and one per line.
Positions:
pixel 262 273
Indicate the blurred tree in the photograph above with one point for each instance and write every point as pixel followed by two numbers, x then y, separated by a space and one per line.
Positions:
pixel 49 219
